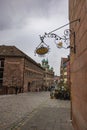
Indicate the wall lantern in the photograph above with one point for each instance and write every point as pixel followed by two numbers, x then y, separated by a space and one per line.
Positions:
pixel 61 42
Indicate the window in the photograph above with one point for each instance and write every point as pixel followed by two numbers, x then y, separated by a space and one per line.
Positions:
pixel 1 74
pixel 1 71
pixel 65 73
pixel 1 62
pixel 1 83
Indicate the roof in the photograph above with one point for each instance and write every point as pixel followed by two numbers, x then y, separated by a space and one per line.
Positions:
pixel 12 51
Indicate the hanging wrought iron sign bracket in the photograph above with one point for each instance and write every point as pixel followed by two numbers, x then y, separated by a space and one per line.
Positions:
pixel 61 42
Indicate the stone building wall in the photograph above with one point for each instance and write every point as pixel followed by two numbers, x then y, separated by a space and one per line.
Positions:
pixel 78 9
pixel 13 73
pixel 33 76
pixel 19 70
pixel 48 75
pixel 22 73
pixel 48 79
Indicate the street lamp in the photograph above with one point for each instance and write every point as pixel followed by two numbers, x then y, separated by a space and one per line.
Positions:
pixel 61 42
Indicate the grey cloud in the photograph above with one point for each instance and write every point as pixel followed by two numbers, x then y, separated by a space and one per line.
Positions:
pixel 14 13
pixel 22 21
pixel 11 14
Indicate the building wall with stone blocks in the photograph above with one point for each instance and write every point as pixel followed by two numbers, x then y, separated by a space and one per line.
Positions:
pixel 22 73
pixel 33 76
pixel 18 70
pixel 13 73
pixel 78 63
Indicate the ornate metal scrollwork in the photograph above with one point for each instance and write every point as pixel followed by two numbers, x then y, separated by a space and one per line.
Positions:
pixel 60 41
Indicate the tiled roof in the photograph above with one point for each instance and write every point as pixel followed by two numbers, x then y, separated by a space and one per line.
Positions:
pixel 12 51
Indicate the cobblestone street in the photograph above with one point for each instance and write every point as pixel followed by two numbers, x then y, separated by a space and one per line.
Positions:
pixel 34 111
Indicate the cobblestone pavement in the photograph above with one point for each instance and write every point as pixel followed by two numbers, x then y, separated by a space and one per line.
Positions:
pixel 34 111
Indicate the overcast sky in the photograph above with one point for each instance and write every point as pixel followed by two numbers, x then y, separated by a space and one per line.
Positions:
pixel 22 21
